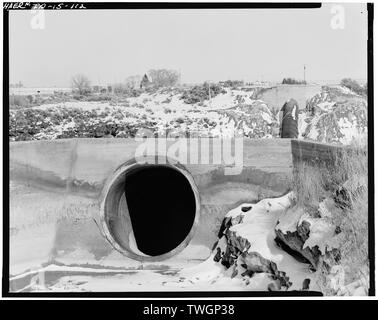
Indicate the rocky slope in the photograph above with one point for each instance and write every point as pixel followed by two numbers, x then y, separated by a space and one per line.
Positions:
pixel 317 239
pixel 284 246
pixel 336 115
pixel 163 112
pixel 247 248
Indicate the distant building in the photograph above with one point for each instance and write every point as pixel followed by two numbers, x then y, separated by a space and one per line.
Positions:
pixel 146 81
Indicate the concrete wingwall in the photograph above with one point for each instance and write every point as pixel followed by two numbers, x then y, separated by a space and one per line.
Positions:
pixel 56 193
pixel 275 97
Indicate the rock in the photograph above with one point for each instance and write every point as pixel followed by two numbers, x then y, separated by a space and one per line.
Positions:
pixel 235 246
pixel 246 209
pixel 256 263
pixel 228 257
pixel 237 242
pixel 218 255
pixel 236 252
pixel 236 220
pixel 311 236
pixel 254 120
pixel 234 273
pixel 234 249
pixel 348 192
pixel 247 273
pixel 336 116
pixel 306 284
pixel 296 240
pixel 226 223
pixel 274 286
pixel 284 280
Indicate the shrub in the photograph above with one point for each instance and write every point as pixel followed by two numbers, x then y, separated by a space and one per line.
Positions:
pixel 135 92
pixel 292 81
pixel 201 93
pixel 80 84
pixel 39 124
pixel 101 97
pixel 78 97
pixel 232 83
pixel 19 101
pixel 354 86
pixel 164 78
pixel 121 89
pixel 345 182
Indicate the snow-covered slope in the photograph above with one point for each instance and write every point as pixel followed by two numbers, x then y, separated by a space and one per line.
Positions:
pixel 247 247
pixel 163 112
pixel 336 115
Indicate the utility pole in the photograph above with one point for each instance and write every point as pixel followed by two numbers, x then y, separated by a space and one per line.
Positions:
pixel 304 73
pixel 209 94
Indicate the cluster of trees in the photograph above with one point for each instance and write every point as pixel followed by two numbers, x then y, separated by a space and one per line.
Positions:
pixel 293 81
pixel 232 83
pixel 16 85
pixel 200 93
pixel 159 78
pixel 354 86
pixel 81 84
pixel 20 101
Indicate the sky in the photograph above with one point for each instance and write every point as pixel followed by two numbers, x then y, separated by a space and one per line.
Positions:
pixel 204 45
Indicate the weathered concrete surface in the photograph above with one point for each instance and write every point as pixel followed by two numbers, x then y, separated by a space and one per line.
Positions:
pixel 306 151
pixel 56 193
pixel 275 97
pixel 87 163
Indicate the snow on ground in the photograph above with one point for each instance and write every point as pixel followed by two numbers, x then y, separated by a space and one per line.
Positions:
pixel 335 115
pixel 257 226
pixel 227 114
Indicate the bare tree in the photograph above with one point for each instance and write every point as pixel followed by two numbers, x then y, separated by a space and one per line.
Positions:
pixel 81 84
pixel 164 77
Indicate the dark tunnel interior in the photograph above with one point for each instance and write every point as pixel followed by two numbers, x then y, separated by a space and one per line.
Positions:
pixel 162 208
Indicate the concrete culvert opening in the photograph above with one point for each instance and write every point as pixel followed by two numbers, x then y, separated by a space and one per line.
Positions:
pixel 150 211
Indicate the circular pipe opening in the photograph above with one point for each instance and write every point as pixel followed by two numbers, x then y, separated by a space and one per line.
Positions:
pixel 150 211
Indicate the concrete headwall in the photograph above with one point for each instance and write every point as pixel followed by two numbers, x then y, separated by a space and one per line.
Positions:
pixel 275 97
pixel 56 193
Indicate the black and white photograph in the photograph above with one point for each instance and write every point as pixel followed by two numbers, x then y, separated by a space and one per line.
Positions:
pixel 188 150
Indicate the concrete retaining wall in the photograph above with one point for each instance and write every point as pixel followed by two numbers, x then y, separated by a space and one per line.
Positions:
pixel 56 193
